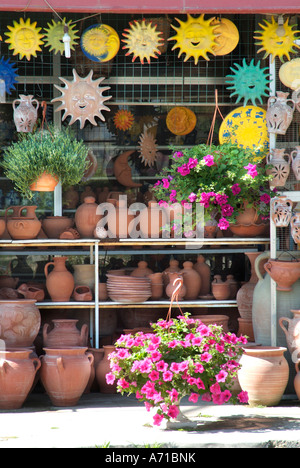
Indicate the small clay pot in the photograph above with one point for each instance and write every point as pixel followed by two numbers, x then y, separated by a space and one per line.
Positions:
pixel 82 293
pixel 55 225
pixel 20 228
pixel 31 292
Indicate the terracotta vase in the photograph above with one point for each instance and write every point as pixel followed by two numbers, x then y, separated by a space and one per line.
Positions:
pixel 191 280
pixel 102 369
pixel 220 289
pixel 142 270
pixel 86 218
pixel 263 374
pixel 284 273
pixel 295 227
pixel 84 275
pixel 244 297
pixel 157 286
pixel 20 322
pixel 297 380
pixel 248 215
pixel 173 267
pixel 171 286
pixel 45 183
pixel 204 271
pixel 25 113
pixel 59 282
pixel 65 374
pixel 18 370
pixel 279 113
pixel 233 286
pixel 103 292
pixel 82 293
pixel 119 220
pixel 21 228
pixel 55 225
pixel 295 162
pixel 219 320
pixel 280 170
pixel 31 292
pixel 64 333
pixel 281 209
pixel 152 220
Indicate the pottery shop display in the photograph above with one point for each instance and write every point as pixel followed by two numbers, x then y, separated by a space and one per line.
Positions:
pixel 220 289
pixel 20 322
pixel 25 113
pixel 284 273
pixel 82 293
pixel 21 228
pixel 86 218
pixel 126 289
pixel 65 373
pixel 279 113
pixel 264 374
pixel 102 369
pixel 64 333
pixel 59 282
pixel 18 368
pixel 191 280
pixel 205 273
pixel 280 167
pixel 84 275
pixel 281 209
pixel 55 225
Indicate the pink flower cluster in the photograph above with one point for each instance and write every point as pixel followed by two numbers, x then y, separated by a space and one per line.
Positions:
pixel 185 169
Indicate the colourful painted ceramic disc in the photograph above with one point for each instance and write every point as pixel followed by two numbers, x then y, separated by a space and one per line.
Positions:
pixel 100 42
pixel 289 74
pixel 227 36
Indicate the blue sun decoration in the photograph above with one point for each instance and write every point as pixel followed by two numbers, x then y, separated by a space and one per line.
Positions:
pixel 8 74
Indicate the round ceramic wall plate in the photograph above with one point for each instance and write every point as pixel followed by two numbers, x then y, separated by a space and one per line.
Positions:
pixel 181 120
pixel 227 36
pixel 289 74
pixel 246 127
pixel 100 42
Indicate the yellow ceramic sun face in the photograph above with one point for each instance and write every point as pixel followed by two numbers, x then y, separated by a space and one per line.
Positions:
pixel 142 40
pixel 272 44
pixel 195 37
pixel 54 35
pixel 24 38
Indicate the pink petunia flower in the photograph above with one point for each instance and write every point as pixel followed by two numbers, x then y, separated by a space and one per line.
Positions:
pixel 221 376
pixel 193 397
pixel 235 189
pixel 209 160
pixel 223 224
pixel 243 397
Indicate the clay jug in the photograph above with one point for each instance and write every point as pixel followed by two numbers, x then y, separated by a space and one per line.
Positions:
pixel 280 167
pixel 102 369
pixel 204 271
pixel 157 286
pixel 29 211
pixel 86 218
pixel 279 113
pixel 59 282
pixel 142 270
pixel 25 113
pixel 84 275
pixel 55 225
pixel 292 333
pixel 191 280
pixel 173 267
pixel 152 220
pixel 297 381
pixel 18 369
pixel 20 322
pixel 281 209
pixel 65 374
pixel 120 219
pixel 295 227
pixel 295 162
pixel 264 374
pixel 172 285
pixel 21 228
pixel 220 289
pixel 64 334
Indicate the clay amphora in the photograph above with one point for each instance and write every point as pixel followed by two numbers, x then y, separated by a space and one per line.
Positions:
pixel 64 334
pixel 292 333
pixel 120 220
pixel 280 170
pixel 65 374
pixel 295 227
pixel 220 289
pixel 152 219
pixel 204 271
pixel 20 322
pixel 263 374
pixel 191 280
pixel 295 162
pixel 102 369
pixel 18 369
pixel 86 218
pixel 59 282
pixel 55 225
pixel 279 113
pixel 142 270
pixel 84 275
pixel 25 113
pixel 281 209
pixel 20 228
pixel 285 273
pixel 173 276
pixel 157 286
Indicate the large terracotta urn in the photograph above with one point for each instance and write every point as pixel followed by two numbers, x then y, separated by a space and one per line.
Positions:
pixel 59 282
pixel 20 322
pixel 64 333
pixel 103 369
pixel 264 374
pixel 204 271
pixel 65 374
pixel 55 225
pixel 86 218
pixel 18 368
pixel 191 280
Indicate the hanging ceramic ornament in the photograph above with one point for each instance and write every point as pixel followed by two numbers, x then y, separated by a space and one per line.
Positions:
pixel 227 36
pixel 247 128
pixel 249 82
pixel 142 40
pixel 24 38
pixel 196 37
pixel 289 74
pixel 82 99
pixel 8 74
pixel 123 119
pixel 181 120
pixel 100 42
pixel 276 45
pixel 148 147
pixel 54 36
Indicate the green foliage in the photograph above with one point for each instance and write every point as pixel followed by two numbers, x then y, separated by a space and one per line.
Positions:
pixel 54 151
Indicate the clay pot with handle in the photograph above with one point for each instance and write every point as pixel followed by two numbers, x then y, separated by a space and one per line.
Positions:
pixel 59 282
pixel 64 333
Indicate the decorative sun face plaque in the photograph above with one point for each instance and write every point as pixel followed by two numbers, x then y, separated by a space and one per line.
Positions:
pixel 272 43
pixel 54 35
pixel 228 36
pixel 100 42
pixel 123 119
pixel 195 37
pixel 82 99
pixel 24 38
pixel 142 40
pixel 8 74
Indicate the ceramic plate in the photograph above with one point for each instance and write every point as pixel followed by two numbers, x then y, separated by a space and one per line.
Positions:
pixel 289 73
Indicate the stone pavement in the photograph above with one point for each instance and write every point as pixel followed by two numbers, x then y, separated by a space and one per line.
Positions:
pixel 115 421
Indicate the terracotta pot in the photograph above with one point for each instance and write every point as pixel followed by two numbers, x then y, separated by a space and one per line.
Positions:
pixel 246 329
pixel 82 293
pixel 65 374
pixel 86 218
pixel 20 322
pixel 55 225
pixel 152 220
pixel 233 286
pixel 264 374
pixel 191 280
pixel 20 228
pixel 157 286
pixel 64 334
pixel 248 215
pixel 281 209
pixel 18 369
pixel 84 275
pixel 292 332
pixel 102 369
pixel 284 273
pixel 173 267
pixel 219 320
pixel 142 270
pixel 31 292
pixel 59 282
pixel 204 271
pixel 45 183
pixel 103 292
pixel 220 289
pixel 173 276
